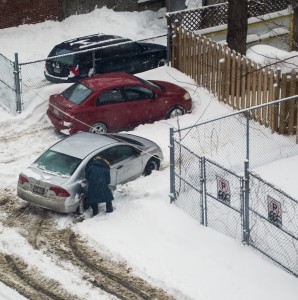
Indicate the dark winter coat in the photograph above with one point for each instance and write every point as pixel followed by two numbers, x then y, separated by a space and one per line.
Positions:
pixel 98 176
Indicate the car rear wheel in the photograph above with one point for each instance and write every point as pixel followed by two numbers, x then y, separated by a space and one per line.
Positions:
pixel 152 164
pixel 98 128
pixel 175 112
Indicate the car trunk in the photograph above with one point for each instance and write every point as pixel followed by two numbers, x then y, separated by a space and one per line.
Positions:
pixel 61 107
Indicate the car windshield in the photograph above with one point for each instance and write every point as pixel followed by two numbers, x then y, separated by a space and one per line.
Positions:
pixel 67 59
pixel 57 163
pixel 77 93
pixel 149 83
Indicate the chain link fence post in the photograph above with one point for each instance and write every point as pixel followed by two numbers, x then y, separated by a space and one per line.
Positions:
pixel 16 73
pixel 246 185
pixel 172 166
pixel 203 192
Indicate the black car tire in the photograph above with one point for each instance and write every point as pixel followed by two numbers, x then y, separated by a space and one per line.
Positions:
pixel 98 128
pixel 152 164
pixel 175 112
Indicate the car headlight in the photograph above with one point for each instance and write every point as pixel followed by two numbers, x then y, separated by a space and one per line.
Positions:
pixel 186 97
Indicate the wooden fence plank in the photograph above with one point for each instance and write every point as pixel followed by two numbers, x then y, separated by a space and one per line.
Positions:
pixel 248 83
pixel 291 106
pixel 259 93
pixel 214 67
pixel 228 76
pixel 254 89
pixel 238 81
pixel 270 96
pixel 264 97
pixel 199 73
pixel 282 113
pixel 218 70
pixel 233 78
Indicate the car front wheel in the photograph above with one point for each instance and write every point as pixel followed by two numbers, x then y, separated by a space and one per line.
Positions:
pixel 98 128
pixel 152 164
pixel 175 112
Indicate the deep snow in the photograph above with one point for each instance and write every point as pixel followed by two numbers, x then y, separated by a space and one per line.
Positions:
pixel 158 240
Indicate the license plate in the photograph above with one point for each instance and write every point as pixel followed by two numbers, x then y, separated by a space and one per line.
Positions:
pixel 37 189
pixel 56 70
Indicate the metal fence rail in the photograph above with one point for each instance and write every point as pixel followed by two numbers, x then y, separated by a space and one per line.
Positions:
pixel 212 181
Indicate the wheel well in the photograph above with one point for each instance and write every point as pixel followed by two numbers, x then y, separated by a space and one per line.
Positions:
pixel 174 107
pixel 155 158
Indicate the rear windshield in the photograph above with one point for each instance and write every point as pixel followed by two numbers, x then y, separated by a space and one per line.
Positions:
pixel 149 83
pixel 77 93
pixel 67 59
pixel 57 163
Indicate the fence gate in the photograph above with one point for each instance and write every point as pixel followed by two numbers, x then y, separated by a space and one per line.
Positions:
pixel 274 223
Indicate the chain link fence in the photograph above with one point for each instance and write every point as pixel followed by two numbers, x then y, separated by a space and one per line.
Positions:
pixel 32 77
pixel 212 179
pixel 274 223
pixel 7 85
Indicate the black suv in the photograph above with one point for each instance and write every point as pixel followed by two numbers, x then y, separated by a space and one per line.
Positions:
pixel 106 53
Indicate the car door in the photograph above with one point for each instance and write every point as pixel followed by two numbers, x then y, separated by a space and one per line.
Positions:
pixel 111 109
pixel 141 104
pixel 140 60
pixel 125 163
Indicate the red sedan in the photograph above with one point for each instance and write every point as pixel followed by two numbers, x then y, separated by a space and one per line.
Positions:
pixel 114 102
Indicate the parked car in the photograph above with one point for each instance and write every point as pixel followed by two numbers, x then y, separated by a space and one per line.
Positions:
pixel 101 54
pixel 56 179
pixel 115 101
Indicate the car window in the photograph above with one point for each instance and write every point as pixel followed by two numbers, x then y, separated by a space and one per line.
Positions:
pixel 57 163
pixel 77 93
pixel 64 59
pixel 118 153
pixel 110 97
pixel 138 93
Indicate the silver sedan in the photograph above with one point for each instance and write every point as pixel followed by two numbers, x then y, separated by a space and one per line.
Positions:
pixel 56 180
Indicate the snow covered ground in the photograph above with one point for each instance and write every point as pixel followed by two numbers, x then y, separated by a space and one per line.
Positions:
pixel 155 238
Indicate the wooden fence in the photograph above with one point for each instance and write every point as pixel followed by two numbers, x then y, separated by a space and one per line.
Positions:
pixel 237 81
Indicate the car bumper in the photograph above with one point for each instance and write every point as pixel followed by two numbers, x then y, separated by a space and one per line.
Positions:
pixel 56 79
pixel 61 125
pixel 58 205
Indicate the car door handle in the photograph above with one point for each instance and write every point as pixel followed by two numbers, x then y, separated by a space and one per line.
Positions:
pixel 119 167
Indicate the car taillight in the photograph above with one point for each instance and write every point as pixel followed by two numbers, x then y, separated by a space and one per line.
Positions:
pixel 23 179
pixel 59 191
pixel 186 96
pixel 74 71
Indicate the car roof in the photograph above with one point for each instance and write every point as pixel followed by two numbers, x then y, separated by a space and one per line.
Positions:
pixel 110 80
pixel 91 41
pixel 82 144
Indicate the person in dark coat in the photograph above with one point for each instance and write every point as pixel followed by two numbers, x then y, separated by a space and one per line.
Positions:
pixel 98 176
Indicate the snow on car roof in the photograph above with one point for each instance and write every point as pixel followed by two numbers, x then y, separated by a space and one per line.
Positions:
pixel 83 143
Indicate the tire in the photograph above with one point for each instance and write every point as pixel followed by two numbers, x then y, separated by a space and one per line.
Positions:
pixel 152 164
pixel 175 112
pixel 160 62
pixel 98 128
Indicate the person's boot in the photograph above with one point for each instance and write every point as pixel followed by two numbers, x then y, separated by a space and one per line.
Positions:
pixel 109 207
